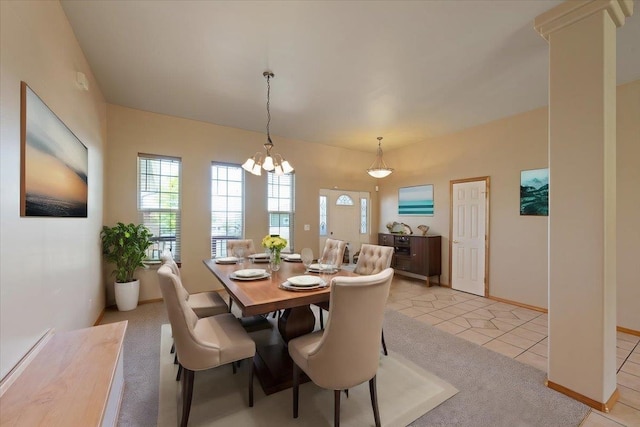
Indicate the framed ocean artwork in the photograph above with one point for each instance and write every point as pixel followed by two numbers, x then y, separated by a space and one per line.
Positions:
pixel 417 200
pixel 54 163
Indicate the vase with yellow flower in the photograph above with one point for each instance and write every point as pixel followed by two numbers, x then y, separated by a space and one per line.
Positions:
pixel 274 244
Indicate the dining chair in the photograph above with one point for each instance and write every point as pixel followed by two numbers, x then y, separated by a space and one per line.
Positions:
pixel 245 244
pixel 372 260
pixel 204 304
pixel 202 343
pixel 248 248
pixel 333 250
pixel 346 353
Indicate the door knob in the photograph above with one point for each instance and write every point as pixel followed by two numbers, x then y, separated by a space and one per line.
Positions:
pixel 455 241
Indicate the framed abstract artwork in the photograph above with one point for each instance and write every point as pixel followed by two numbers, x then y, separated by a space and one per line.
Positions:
pixel 534 192
pixel 54 163
pixel 417 200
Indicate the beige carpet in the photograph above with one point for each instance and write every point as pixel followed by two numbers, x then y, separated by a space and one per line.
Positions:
pixel 405 392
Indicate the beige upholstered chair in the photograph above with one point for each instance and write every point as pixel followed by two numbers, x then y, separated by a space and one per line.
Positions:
pixel 202 343
pixel 373 259
pixel 346 353
pixel 204 304
pixel 333 250
pixel 245 244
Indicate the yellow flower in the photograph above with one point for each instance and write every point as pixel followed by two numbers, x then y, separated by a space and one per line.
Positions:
pixel 274 242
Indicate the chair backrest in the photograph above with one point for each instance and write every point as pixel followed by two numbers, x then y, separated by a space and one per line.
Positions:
pixel 246 244
pixel 373 259
pixel 348 353
pixel 193 352
pixel 167 259
pixel 334 249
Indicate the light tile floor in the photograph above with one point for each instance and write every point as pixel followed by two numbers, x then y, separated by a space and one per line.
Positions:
pixel 516 332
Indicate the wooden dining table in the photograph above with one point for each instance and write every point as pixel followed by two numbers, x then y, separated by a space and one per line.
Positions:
pixel 260 297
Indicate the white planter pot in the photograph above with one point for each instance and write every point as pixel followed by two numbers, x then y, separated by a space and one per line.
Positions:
pixel 127 295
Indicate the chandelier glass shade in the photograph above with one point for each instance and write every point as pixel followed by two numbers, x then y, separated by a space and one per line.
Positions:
pixel 265 160
pixel 379 168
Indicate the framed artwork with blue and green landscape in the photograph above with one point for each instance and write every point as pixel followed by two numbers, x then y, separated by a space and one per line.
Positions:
pixel 417 200
pixel 534 192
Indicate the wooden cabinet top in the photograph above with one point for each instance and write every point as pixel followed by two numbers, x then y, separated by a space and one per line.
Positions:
pixel 68 381
pixel 409 235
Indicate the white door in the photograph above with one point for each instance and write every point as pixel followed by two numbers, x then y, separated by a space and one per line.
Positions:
pixel 468 238
pixel 343 218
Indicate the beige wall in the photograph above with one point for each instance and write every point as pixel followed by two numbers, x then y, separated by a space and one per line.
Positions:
pixel 50 271
pixel 628 205
pixel 518 244
pixel 198 144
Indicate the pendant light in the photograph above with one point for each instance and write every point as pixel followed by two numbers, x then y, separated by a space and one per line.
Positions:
pixel 379 168
pixel 268 162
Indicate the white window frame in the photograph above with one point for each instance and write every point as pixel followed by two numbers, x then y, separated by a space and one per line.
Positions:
pixel 147 192
pixel 221 215
pixel 278 199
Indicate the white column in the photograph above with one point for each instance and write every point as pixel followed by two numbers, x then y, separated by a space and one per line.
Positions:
pixel 582 198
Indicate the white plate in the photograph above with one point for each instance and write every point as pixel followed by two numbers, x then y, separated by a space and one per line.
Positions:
pixel 305 281
pixel 264 276
pixel 227 260
pixel 250 272
pixel 259 256
pixel 292 257
pixel 329 268
pixel 287 286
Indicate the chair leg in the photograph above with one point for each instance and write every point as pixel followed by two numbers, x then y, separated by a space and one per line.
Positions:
pixel 346 392
pixel 384 346
pixel 321 317
pixel 296 386
pixel 251 372
pixel 233 366
pixel 173 348
pixel 336 411
pixel 175 359
pixel 374 400
pixel 187 393
pixel 230 304
pixel 179 372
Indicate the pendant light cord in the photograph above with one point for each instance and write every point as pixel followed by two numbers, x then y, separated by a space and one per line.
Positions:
pixel 269 143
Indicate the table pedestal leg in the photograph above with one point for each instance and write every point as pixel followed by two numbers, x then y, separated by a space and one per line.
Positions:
pixel 295 322
pixel 274 367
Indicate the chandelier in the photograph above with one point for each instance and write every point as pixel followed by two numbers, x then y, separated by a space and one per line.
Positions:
pixel 267 161
pixel 379 168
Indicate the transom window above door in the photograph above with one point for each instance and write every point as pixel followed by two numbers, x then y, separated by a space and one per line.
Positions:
pixel 344 200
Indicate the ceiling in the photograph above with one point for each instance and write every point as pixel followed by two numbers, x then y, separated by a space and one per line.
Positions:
pixel 345 72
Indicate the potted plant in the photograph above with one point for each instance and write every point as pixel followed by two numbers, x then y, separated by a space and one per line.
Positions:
pixel 126 247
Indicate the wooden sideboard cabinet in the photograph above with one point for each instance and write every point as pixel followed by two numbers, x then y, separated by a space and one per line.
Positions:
pixel 415 256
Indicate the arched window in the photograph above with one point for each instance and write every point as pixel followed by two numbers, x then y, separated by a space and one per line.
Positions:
pixel 344 200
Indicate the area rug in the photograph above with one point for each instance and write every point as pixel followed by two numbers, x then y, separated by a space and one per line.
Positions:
pixel 405 392
pixel 495 390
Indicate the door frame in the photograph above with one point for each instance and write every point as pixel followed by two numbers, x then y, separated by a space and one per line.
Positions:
pixel 487 181
pixel 361 240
